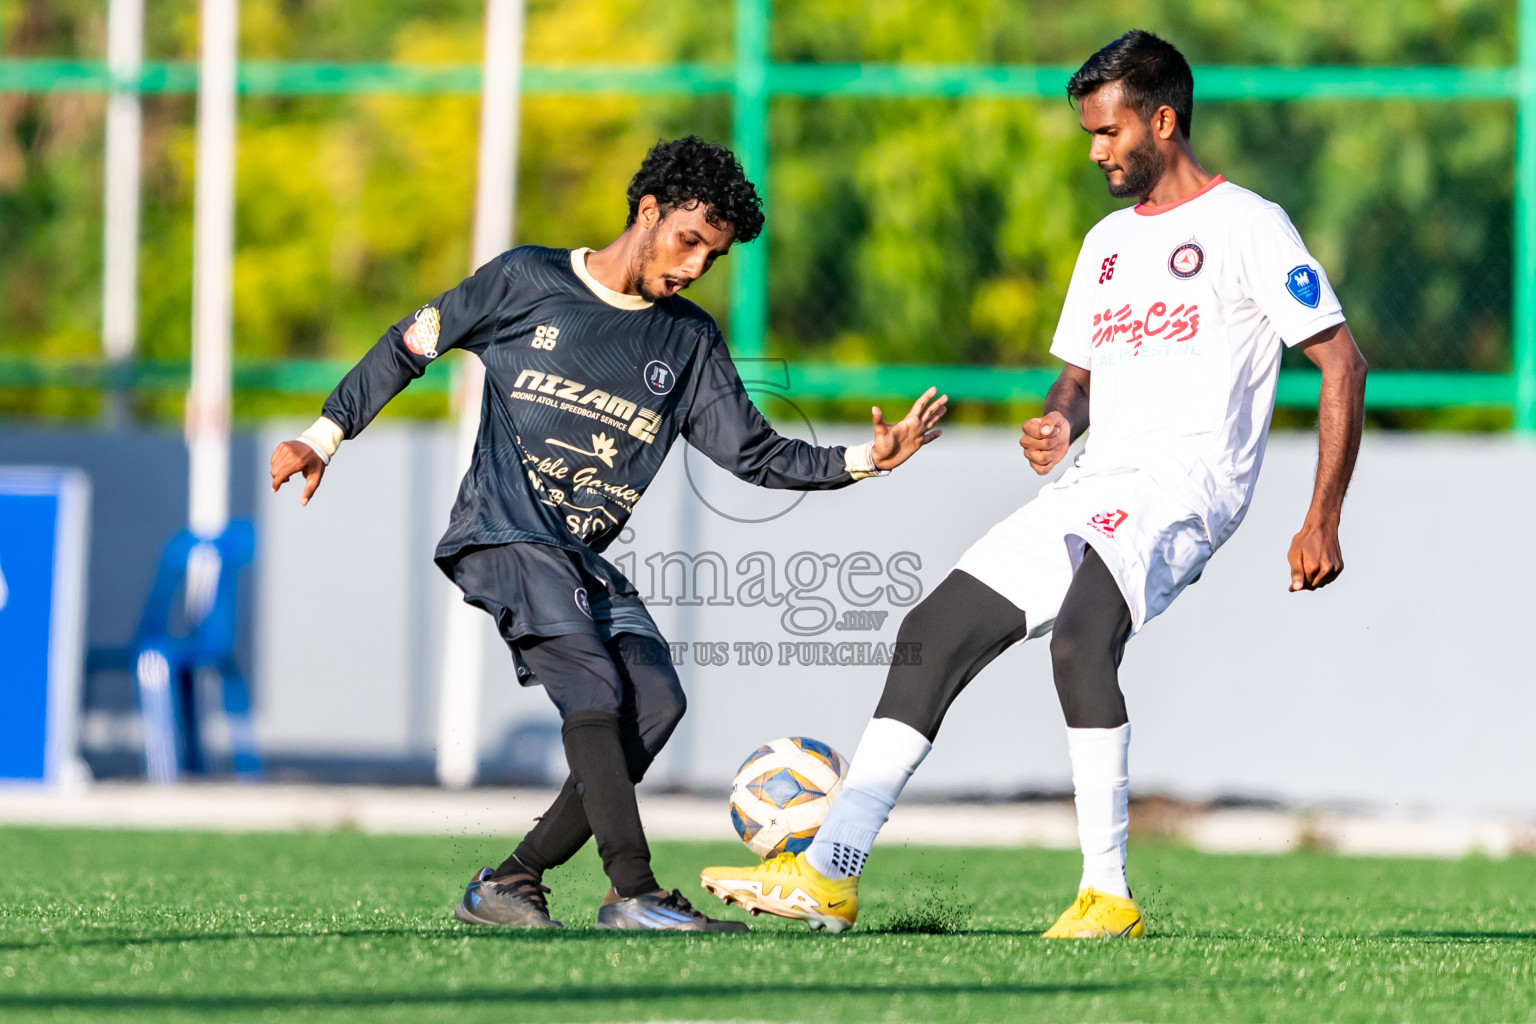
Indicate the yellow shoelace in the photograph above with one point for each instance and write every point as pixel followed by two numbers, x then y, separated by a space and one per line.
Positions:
pixel 1080 906
pixel 783 862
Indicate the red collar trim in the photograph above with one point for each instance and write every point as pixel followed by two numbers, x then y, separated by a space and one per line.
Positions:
pixel 1148 210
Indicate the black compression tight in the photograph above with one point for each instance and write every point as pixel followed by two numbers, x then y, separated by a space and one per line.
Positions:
pixel 952 634
pixel 963 625
pixel 1087 644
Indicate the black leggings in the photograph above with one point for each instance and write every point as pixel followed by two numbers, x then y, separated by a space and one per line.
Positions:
pixel 652 703
pixel 964 624
pixel 1087 643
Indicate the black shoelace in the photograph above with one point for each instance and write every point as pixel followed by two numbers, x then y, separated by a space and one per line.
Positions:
pixel 675 900
pixel 527 888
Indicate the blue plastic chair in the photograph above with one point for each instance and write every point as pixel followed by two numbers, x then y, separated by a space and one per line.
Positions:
pixel 172 647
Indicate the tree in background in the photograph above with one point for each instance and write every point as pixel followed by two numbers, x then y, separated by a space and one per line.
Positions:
pixel 922 230
pixel 939 230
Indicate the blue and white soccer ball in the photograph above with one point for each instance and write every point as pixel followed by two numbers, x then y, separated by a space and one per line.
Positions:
pixel 782 794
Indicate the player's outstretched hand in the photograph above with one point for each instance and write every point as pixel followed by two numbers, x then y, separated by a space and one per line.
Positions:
pixel 1315 557
pixel 895 443
pixel 292 457
pixel 1046 440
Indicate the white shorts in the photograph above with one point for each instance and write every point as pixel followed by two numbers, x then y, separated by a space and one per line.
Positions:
pixel 1152 545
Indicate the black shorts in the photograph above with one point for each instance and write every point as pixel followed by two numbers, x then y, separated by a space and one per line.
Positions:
pixel 537 590
pixel 591 649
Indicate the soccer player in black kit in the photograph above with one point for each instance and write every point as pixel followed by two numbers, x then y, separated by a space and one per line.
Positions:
pixel 594 367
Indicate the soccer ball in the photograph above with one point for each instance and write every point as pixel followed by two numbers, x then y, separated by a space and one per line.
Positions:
pixel 782 794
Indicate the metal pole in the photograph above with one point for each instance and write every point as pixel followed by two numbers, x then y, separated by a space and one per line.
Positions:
pixel 749 263
pixel 208 400
pixel 120 273
pixel 1523 319
pixel 213 234
pixel 464 637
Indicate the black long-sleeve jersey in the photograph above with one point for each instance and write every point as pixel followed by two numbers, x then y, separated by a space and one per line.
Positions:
pixel 586 389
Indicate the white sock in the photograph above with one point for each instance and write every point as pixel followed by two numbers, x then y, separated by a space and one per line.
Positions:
pixel 887 756
pixel 1101 779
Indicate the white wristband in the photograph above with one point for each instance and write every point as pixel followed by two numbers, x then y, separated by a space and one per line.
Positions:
pixel 324 437
pixel 859 460
pixel 301 439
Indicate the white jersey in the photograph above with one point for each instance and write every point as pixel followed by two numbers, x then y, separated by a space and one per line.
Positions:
pixel 1180 313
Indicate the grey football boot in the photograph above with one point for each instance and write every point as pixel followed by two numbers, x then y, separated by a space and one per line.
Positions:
pixel 514 901
pixel 666 911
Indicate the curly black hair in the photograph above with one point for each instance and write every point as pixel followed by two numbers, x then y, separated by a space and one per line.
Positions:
pixel 685 172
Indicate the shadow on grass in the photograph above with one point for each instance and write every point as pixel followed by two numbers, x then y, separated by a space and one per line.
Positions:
pixel 446 930
pixel 472 933
pixel 589 994
pixel 1278 935
pixel 1458 936
pixel 555 936
pixel 890 929
pixel 906 929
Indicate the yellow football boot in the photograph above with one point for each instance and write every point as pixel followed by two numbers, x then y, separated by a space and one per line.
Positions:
pixel 789 887
pixel 1098 915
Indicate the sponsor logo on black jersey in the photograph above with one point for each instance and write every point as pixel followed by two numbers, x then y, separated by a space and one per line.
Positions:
pixel 582 603
pixel 646 426
pixel 602 448
pixel 421 336
pixel 659 377
pixel 1186 261
pixel 594 403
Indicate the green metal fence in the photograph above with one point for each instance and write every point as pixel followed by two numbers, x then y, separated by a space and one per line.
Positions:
pixel 753 80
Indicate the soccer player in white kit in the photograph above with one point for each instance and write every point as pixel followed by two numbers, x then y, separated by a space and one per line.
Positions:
pixel 1172 330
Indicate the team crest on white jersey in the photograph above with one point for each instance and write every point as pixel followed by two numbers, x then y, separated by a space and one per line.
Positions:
pixel 1187 260
pixel 1302 282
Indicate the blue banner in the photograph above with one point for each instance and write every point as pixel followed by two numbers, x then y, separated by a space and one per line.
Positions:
pixel 43 514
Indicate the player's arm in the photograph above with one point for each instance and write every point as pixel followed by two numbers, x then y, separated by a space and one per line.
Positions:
pixel 461 318
pixel 1048 436
pixel 1315 557
pixel 724 424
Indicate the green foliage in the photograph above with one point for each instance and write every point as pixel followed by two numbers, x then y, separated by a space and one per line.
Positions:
pixel 102 925
pixel 933 231
pixel 1206 31
pixel 921 230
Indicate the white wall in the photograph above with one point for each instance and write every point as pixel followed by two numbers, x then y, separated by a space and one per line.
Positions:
pixel 1403 685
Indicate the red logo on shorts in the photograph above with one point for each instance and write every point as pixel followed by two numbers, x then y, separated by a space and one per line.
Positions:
pixel 1106 522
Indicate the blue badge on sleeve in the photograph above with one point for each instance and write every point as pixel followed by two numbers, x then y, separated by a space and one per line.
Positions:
pixel 1304 285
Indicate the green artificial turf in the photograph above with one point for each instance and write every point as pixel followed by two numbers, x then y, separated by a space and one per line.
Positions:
pixel 346 927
